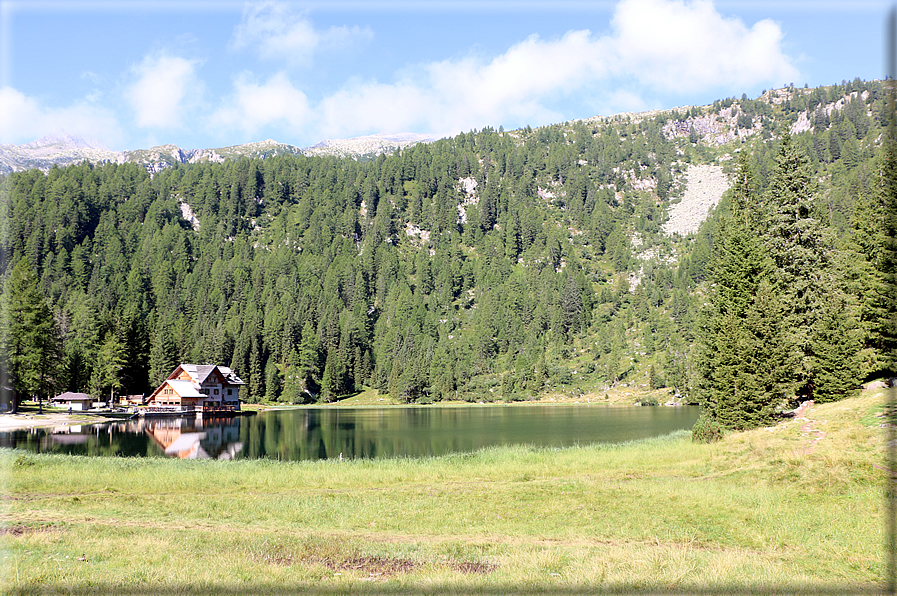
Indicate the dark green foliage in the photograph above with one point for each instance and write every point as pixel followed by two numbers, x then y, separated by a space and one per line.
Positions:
pixel 819 314
pixel 886 192
pixel 743 356
pixel 30 345
pixel 706 430
pixel 785 320
pixel 316 277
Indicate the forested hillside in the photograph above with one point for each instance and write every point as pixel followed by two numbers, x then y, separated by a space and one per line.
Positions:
pixel 490 266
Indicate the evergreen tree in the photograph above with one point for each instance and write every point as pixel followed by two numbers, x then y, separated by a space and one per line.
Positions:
pixel 836 342
pixel 805 279
pixel 740 358
pixel 273 384
pixel 307 362
pixel 163 355
pixel 111 362
pixel 31 342
pixel 887 263
pixel 293 385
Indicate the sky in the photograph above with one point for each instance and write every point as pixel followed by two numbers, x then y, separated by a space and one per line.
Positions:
pixel 199 74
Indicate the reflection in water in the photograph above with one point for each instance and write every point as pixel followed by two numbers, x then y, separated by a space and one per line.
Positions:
pixel 186 438
pixel 322 433
pixel 194 438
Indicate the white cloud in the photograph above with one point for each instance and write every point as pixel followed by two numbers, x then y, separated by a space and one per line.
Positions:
pixel 165 87
pixel 677 46
pixel 371 107
pixel 255 106
pixel 516 83
pixel 654 50
pixel 24 119
pixel 275 31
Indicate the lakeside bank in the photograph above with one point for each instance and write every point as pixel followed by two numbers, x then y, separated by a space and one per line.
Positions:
pixel 796 507
pixel 28 416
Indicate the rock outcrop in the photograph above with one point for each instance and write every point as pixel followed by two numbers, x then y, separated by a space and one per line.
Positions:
pixel 65 150
pixel 705 186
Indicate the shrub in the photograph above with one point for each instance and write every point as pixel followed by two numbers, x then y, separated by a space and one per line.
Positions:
pixel 706 430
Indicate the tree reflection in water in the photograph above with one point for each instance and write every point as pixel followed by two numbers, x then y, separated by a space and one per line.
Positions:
pixel 324 433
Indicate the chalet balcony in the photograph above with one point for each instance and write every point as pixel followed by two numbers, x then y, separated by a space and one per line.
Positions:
pixel 218 409
pixel 167 410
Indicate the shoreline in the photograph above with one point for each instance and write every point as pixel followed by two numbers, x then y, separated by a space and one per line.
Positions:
pixel 25 421
pixel 481 522
pixel 60 418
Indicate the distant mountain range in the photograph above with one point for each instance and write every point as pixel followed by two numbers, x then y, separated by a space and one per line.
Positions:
pixel 63 150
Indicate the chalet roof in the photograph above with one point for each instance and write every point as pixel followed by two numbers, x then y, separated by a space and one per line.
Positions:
pixel 185 388
pixel 203 371
pixel 71 396
pixel 230 376
pixel 200 372
pixel 187 446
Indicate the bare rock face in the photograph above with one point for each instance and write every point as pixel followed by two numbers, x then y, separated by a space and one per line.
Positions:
pixel 704 187
pixel 367 146
pixel 65 150
pixel 59 149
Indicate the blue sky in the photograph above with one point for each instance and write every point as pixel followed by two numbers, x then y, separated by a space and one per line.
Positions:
pixel 202 74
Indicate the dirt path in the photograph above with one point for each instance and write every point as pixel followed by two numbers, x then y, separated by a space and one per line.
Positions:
pixel 806 429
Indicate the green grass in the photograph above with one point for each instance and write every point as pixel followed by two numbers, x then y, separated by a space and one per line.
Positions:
pixel 762 511
pixel 368 397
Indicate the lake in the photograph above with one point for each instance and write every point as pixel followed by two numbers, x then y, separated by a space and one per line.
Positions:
pixel 369 432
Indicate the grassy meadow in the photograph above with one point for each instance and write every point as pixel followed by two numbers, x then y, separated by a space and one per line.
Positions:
pixel 796 508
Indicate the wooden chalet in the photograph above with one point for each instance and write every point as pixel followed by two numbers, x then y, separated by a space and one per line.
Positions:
pixel 197 388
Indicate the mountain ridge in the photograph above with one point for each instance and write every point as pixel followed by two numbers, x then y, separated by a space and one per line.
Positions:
pixel 63 149
pixel 715 124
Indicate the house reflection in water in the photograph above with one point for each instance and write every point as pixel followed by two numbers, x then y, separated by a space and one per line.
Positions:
pixel 68 435
pixel 194 438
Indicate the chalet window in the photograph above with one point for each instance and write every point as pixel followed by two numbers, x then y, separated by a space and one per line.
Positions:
pixel 216 392
pixel 230 391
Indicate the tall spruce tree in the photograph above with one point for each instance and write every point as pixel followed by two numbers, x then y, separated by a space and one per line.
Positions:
pixel 823 335
pixel 740 358
pixel 795 242
pixel 31 342
pixel 887 263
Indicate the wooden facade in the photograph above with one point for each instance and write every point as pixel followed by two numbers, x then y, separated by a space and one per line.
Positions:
pixel 199 388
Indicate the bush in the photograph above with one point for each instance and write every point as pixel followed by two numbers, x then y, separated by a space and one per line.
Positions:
pixel 706 430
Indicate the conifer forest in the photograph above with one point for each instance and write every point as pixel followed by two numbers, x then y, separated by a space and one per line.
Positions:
pixel 491 266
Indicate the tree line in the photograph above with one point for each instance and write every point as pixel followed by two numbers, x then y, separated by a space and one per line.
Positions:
pixel 492 265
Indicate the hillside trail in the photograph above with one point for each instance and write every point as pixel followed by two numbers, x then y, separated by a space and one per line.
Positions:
pixel 807 429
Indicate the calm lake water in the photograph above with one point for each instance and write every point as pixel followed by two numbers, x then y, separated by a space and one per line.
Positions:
pixel 322 433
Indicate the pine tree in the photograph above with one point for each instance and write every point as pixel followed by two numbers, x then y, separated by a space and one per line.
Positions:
pixel 307 362
pixel 31 342
pixel 111 362
pixel 836 342
pixel 163 357
pixel 806 281
pixel 294 390
pixel 887 264
pixel 739 354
